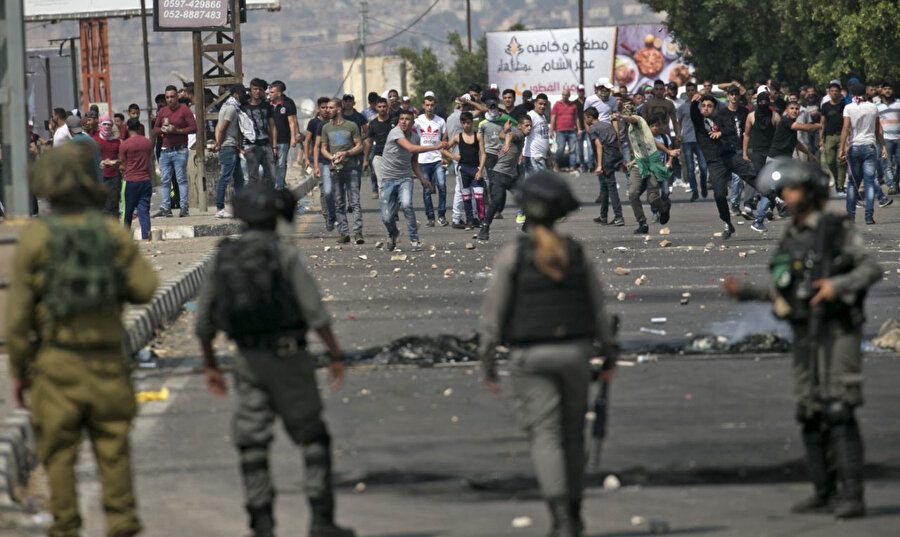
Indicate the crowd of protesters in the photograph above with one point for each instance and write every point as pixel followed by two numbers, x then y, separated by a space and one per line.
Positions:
pixel 714 137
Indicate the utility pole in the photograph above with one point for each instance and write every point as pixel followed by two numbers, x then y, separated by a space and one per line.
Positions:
pixel 469 24
pixel 362 45
pixel 147 66
pixel 581 41
pixel 14 183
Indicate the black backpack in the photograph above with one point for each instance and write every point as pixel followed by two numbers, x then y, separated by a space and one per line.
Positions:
pixel 253 297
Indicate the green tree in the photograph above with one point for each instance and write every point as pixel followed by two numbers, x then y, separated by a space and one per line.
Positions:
pixel 430 74
pixel 795 40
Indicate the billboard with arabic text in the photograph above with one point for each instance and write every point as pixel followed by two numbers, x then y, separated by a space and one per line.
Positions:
pixel 548 60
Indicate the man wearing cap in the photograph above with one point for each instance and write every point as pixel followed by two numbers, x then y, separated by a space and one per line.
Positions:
pixel 602 100
pixel 74 124
pixel 370 111
pixel 227 144
pixel 406 104
pixel 261 151
pixel 522 109
pixel 72 271
pixel 174 122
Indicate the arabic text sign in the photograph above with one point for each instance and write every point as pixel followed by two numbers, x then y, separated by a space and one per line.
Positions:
pixel 190 14
pixel 37 10
pixel 548 60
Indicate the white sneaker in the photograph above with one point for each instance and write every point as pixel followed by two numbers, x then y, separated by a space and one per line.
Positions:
pixel 224 214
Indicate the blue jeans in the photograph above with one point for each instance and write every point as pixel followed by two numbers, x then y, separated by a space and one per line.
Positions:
pixel 229 164
pixel 434 174
pixel 887 164
pixel 327 191
pixel 568 139
pixel 396 192
pixel 281 165
pixel 173 163
pixel 863 167
pixel 691 151
pixel 136 195
pixel 586 153
pixel 534 165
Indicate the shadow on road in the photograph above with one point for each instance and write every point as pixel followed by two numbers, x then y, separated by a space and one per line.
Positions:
pixel 696 530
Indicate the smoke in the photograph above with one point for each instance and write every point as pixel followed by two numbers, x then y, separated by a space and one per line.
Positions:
pixel 752 318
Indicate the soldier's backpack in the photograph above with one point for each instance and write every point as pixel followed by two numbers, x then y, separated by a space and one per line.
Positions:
pixel 82 274
pixel 254 298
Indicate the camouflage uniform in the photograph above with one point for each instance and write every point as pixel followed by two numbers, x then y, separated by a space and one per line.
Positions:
pixel 79 378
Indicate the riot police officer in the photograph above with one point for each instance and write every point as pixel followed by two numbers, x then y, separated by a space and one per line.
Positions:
pixel 72 271
pixel 546 303
pixel 820 274
pixel 262 294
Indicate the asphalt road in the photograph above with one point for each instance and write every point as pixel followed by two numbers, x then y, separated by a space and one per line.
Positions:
pixel 706 445
pixel 374 299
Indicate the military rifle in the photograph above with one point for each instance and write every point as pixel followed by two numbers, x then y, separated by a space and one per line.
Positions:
pixel 601 404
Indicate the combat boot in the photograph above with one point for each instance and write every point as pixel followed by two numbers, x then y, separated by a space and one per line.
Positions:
pixel 261 521
pixel 322 524
pixel 846 444
pixel 563 525
pixel 823 477
pixel 575 512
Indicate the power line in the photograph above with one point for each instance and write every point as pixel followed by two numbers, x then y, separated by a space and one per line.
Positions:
pixel 423 34
pixel 349 70
pixel 408 26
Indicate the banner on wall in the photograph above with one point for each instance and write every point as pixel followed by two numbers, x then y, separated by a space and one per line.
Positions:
pixel 547 61
pixel 648 52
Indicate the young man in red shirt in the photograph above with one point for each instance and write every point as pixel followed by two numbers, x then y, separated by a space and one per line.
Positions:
pixel 135 158
pixel 109 163
pixel 564 122
pixel 173 124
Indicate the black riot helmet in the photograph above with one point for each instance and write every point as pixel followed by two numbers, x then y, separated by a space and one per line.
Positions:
pixel 545 198
pixel 260 205
pixel 783 172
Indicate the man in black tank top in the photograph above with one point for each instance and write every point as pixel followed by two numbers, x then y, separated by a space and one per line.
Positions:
pixel 784 142
pixel 470 174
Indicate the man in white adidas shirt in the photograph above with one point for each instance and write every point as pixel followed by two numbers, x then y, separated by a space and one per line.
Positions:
pixel 432 130
pixel 861 131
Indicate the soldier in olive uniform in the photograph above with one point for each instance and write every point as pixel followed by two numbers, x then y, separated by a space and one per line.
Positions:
pixel 262 294
pixel 820 275
pixel 546 303
pixel 72 271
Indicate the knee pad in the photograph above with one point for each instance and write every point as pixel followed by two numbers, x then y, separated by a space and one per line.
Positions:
pixel 837 413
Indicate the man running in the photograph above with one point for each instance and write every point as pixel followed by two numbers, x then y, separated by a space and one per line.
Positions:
pixel 722 159
pixel 397 167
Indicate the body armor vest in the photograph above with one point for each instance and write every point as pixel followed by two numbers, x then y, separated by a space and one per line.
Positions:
pixel 254 298
pixel 798 262
pixel 544 310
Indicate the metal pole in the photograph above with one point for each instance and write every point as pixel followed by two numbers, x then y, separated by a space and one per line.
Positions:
pixel 75 70
pixel 581 41
pixel 362 45
pixel 49 85
pixel 469 24
pixel 147 67
pixel 200 114
pixel 12 110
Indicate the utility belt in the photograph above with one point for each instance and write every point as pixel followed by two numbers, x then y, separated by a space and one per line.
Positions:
pixel 283 345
